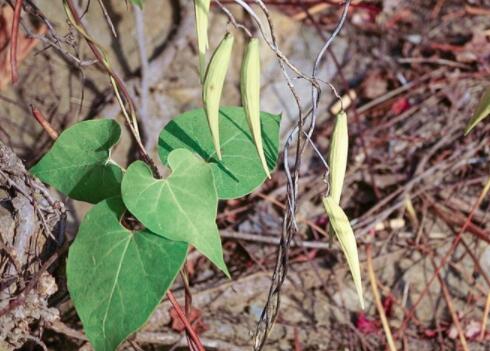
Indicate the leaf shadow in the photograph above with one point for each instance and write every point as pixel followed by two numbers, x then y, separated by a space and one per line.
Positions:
pixel 270 149
pixel 182 136
pixel 98 184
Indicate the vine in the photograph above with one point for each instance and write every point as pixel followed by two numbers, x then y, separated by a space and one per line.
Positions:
pixel 213 153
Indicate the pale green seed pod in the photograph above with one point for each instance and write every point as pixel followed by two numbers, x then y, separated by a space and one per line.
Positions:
pixel 250 91
pixel 213 86
pixel 343 230
pixel 339 147
pixel 201 9
pixel 482 112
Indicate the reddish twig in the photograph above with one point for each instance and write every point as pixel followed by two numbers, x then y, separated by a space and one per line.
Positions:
pixel 192 334
pixel 437 8
pixel 53 134
pixel 485 317
pixel 450 306
pixel 297 342
pixel 187 304
pixel 444 260
pixel 454 219
pixel 14 39
pixel 377 300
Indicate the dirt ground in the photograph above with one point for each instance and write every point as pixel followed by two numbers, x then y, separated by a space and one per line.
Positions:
pixel 417 69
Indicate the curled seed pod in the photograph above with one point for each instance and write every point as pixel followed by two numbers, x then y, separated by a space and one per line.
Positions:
pixel 213 86
pixel 343 230
pixel 201 9
pixel 250 91
pixel 338 156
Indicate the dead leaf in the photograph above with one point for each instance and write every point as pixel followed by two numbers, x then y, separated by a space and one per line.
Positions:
pixel 24 45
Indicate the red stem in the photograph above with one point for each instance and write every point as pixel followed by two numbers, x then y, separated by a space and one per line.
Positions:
pixel 13 40
pixel 53 134
pixel 443 262
pixel 193 335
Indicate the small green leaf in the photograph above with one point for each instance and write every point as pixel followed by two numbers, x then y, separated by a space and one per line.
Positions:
pixel 482 112
pixel 117 277
pixel 343 230
pixel 240 170
pixel 182 207
pixel 79 162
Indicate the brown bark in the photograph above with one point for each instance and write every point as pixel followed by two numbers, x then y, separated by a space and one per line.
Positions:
pixel 28 217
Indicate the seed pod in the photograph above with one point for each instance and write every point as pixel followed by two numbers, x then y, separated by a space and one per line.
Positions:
pixel 343 230
pixel 213 86
pixel 482 112
pixel 201 9
pixel 338 156
pixel 250 91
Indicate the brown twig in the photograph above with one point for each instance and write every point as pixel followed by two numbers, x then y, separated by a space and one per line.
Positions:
pixel 444 260
pixel 187 303
pixel 437 8
pixel 193 335
pixel 377 300
pixel 53 134
pixel 14 40
pixel 485 317
pixel 450 306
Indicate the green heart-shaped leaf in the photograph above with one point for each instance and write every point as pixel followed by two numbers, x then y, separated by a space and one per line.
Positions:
pixel 240 170
pixel 182 207
pixel 117 277
pixel 79 162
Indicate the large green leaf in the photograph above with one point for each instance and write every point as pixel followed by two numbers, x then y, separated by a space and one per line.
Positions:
pixel 482 112
pixel 116 277
pixel 79 162
pixel 240 170
pixel 182 207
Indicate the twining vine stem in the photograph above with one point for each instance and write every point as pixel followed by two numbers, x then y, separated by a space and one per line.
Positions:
pixel 290 228
pixel 117 84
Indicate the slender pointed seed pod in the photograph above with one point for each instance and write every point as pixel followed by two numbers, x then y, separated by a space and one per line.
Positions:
pixel 482 112
pixel 338 156
pixel 250 91
pixel 213 86
pixel 343 230
pixel 201 9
